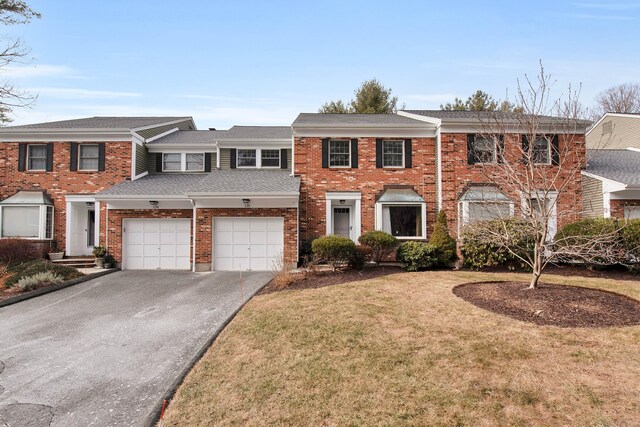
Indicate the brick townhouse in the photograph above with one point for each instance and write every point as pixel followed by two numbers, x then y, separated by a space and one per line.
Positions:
pixel 160 194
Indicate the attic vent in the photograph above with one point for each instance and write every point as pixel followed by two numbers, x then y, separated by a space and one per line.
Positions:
pixel 607 127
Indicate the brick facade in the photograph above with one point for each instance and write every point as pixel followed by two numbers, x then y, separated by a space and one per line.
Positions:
pixel 316 181
pixel 61 181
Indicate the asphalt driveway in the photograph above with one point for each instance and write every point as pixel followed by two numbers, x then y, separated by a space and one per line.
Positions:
pixel 103 352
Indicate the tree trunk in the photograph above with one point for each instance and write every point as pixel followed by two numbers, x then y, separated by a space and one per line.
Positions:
pixel 537 266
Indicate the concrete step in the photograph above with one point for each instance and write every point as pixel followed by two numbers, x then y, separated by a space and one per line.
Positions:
pixel 76 262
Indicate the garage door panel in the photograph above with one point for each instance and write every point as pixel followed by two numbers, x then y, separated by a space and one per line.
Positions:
pixel 258 251
pixel 240 236
pixel 135 250
pixel 258 237
pixel 274 237
pixel 240 251
pixel 224 237
pixel 135 237
pixel 150 226
pixel 273 251
pixel 157 244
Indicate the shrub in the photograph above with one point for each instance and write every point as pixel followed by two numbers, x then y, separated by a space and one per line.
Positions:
pixel 380 243
pixel 38 266
pixel 15 251
pixel 631 242
pixel 480 247
pixel 39 279
pixel 414 256
pixel 594 241
pixel 441 239
pixel 337 251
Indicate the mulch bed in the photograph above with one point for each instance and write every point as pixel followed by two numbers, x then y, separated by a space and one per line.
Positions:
pixel 556 305
pixel 617 273
pixel 330 278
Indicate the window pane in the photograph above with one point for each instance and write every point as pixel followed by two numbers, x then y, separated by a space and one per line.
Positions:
pixel 195 162
pixel 270 158
pixel 20 221
pixel 487 210
pixel 246 158
pixel 392 153
pixel 484 150
pixel 172 162
pixel 48 231
pixel 37 157
pixel 541 151
pixel 339 153
pixel 402 221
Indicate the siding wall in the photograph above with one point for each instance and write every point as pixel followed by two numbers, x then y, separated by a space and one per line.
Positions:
pixel 141 159
pixel 151 132
pixel 615 133
pixel 592 198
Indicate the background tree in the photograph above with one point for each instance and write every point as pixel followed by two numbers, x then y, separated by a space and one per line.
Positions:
pixel 534 187
pixel 370 98
pixel 13 12
pixel 624 98
pixel 479 101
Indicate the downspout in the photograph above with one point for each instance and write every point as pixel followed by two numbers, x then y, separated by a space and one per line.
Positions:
pixel 106 228
pixel 439 167
pixel 293 152
pixel 193 204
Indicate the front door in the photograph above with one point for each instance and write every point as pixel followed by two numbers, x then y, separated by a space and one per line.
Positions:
pixel 81 229
pixel 342 222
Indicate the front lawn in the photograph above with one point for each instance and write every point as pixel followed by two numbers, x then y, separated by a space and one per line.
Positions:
pixel 403 349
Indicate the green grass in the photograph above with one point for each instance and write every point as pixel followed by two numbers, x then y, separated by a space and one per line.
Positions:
pixel 403 350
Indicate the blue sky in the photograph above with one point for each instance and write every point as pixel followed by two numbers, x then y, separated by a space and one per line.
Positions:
pixel 263 62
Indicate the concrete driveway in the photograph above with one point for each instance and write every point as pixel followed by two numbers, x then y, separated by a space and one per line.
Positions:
pixel 103 352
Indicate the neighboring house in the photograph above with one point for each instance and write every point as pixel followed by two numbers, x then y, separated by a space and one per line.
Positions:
pixel 162 195
pixel 611 181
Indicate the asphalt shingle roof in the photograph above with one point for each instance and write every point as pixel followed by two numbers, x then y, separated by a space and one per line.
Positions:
pixel 102 123
pixel 218 181
pixel 320 119
pixel 471 115
pixel 618 165
pixel 258 133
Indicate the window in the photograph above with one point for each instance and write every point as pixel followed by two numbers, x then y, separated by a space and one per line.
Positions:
pixel 195 162
pixel 88 157
pixel 270 158
pixel 402 220
pixel 393 154
pixel 485 150
pixel 483 202
pixel 28 222
pixel 541 152
pixel 339 153
pixel 172 162
pixel 478 211
pixel 48 223
pixel 246 158
pixel 37 157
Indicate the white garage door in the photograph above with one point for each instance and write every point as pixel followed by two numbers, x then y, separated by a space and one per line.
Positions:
pixel 247 243
pixel 632 212
pixel 156 244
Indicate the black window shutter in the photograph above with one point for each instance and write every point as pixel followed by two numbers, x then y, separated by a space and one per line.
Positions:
pixel 354 153
pixel 101 157
pixel 73 156
pixel 555 150
pixel 325 152
pixel 378 153
pixel 49 156
pixel 525 149
pixel 158 162
pixel 471 154
pixel 234 151
pixel 500 149
pixel 22 157
pixel 408 153
pixel 284 162
pixel 207 162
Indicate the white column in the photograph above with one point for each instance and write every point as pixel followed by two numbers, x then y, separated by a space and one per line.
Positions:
pixel 96 238
pixel 329 215
pixel 67 231
pixel 357 223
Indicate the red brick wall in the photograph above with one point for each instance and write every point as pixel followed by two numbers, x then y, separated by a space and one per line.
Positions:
pixel 457 174
pixel 204 230
pixel 369 180
pixel 617 207
pixel 61 180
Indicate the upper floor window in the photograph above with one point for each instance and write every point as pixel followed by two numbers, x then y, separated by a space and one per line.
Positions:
pixel 484 149
pixel 36 157
pixel 339 153
pixel 88 157
pixel 393 153
pixel 183 162
pixel 270 158
pixel 541 151
pixel 247 158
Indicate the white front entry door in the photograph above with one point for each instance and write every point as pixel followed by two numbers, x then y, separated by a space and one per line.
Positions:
pixel 81 229
pixel 156 244
pixel 342 222
pixel 247 243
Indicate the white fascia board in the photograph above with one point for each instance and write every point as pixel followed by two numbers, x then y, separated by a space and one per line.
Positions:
pixel 232 143
pixel 473 126
pixel 613 185
pixel 273 195
pixel 113 197
pixel 182 148
pixel 66 135
pixel 637 150
pixel 79 198
pixel 184 119
pixel 358 132
pixel 163 134
pixel 137 138
pixel 433 120
pixel 143 174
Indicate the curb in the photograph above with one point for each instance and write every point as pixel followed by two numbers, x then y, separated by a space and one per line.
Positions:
pixel 154 417
pixel 48 290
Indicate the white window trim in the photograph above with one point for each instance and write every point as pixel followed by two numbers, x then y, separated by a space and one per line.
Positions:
pixel 183 163
pixel 423 206
pixel 28 157
pixel 348 141
pixel 355 200
pixel 494 159
pixel 259 158
pixel 403 154
pixel 533 147
pixel 80 157
pixel 42 220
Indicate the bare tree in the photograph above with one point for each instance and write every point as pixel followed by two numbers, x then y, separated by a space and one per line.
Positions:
pixel 14 51
pixel 624 98
pixel 538 158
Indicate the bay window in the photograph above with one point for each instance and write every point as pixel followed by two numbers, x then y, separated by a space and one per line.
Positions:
pixel 401 212
pixel 27 215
